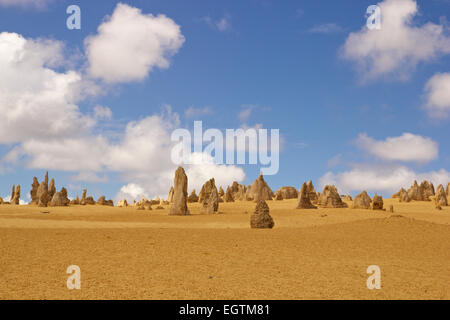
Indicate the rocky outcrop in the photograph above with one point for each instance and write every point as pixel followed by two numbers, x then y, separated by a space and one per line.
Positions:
pixel 228 195
pixel 260 190
pixel 448 190
pixel 15 198
pixel 59 199
pixel 83 197
pixel 75 201
pixel 288 193
pixel 238 191
pixel 170 196
pixel 261 217
pixel 51 189
pixel 248 194
pixel 179 203
pixel 42 194
pixel 377 202
pixel 422 192
pixel 34 190
pixel 312 194
pixel 398 194
pixel 303 199
pixel 89 201
pixel 330 198
pixel 440 198
pixel 404 196
pixel 122 203
pixel 427 190
pixel 193 197
pixel 221 192
pixel 362 201
pixel 103 202
pixel 209 197
pixel 348 198
pixel 278 196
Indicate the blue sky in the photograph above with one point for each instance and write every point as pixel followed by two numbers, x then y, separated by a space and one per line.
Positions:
pixel 349 116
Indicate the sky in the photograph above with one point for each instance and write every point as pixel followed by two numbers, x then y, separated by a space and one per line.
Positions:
pixel 96 106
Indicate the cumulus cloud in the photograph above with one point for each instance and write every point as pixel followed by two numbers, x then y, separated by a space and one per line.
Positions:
pixel 102 113
pixel 129 44
pixel 141 156
pixel 385 179
pixel 407 147
pixel 398 46
pixel 45 128
pixel 36 100
pixel 437 93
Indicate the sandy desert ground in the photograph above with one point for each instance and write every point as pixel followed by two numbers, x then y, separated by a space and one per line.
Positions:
pixel 124 253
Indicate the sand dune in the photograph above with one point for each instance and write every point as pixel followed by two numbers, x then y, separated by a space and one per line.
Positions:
pixel 310 254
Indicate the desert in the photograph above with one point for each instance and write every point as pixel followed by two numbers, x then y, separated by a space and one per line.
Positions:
pixel 126 253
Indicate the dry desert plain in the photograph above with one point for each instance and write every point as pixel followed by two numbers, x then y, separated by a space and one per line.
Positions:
pixel 124 253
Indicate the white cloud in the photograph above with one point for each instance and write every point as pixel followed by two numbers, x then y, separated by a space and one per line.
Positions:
pixel 129 44
pixel 437 92
pixel 398 46
pixel 141 156
pixel 326 28
pixel 245 113
pixel 41 104
pixel 46 129
pixel 384 179
pixel 89 177
pixel 407 147
pixel 131 192
pixel 102 113
pixel 222 24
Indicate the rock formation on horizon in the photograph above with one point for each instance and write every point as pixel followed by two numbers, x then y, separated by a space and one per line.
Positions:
pixel 422 192
pixel 362 201
pixel 398 194
pixel 210 197
pixel 179 203
pixel 440 198
pixel 122 203
pixel 238 191
pixel 170 196
pixel 377 202
pixel 221 192
pixel 261 217
pixel 83 197
pixel 15 198
pixel 404 196
pixel 42 194
pixel 59 199
pixel 330 198
pixel 286 192
pixel 228 195
pixel 303 199
pixel 75 201
pixel 312 194
pixel 103 202
pixel 448 190
pixel 260 190
pixel 51 189
pixel 34 190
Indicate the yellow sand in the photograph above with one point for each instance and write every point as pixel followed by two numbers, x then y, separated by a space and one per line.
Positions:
pixel 124 253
